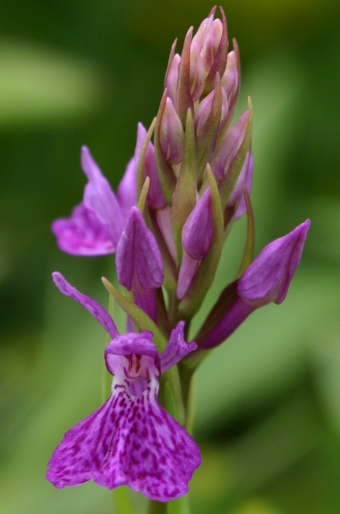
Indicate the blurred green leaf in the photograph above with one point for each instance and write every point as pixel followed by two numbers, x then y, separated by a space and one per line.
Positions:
pixel 266 353
pixel 39 85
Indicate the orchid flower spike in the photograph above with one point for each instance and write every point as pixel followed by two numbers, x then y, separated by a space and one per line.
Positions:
pixel 131 440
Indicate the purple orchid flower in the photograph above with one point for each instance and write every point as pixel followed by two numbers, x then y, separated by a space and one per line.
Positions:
pixel 131 440
pixel 266 280
pixel 95 225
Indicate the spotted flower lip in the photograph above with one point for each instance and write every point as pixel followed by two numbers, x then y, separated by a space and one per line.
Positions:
pixel 131 440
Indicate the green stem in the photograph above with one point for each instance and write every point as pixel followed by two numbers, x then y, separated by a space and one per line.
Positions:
pixel 186 379
pixel 156 507
pixel 122 501
pixel 173 308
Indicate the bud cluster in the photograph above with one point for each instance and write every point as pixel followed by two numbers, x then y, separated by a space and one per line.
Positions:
pixel 197 165
pixel 189 180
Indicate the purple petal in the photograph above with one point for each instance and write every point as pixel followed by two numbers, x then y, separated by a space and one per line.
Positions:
pixel 268 277
pixel 176 349
pixel 130 441
pixel 160 457
pixel 81 452
pixel 211 43
pixel 266 280
pixel 146 300
pixel 202 30
pixel 164 223
pixel 141 135
pixel 172 79
pixel 186 274
pixel 171 134
pixel 227 149
pixel 197 232
pixel 231 81
pixel 99 197
pixel 127 189
pixel 228 324
pixel 91 305
pixel 82 234
pixel 138 260
pixel 198 73
pixel 245 178
pixel 155 196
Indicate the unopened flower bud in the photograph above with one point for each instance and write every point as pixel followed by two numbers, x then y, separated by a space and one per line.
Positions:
pixel 172 79
pixel 245 179
pixel 224 109
pixel 186 275
pixel 197 232
pixel 203 28
pixel 229 146
pixel 207 110
pixel 211 42
pixel 231 77
pixel 126 193
pixel 203 112
pixel 215 51
pixel 164 224
pixel 155 196
pixel 230 84
pixel 197 236
pixel 171 134
pixel 184 99
pixel 198 73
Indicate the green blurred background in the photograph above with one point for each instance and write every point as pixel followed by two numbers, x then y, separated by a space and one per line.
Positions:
pixel 268 400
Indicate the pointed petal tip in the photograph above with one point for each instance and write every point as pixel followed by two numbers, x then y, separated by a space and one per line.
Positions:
pixel 85 157
pixel 304 227
pixel 297 235
pixel 268 277
pixel 88 164
pixel 190 31
pixel 177 348
pixel 141 132
pixel 59 281
pixel 55 275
